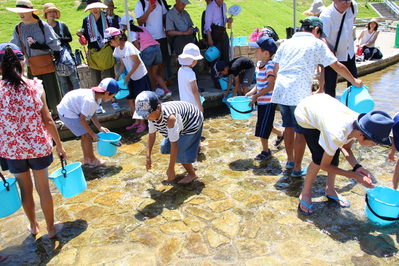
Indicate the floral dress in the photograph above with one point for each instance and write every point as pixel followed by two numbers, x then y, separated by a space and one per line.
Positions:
pixel 22 132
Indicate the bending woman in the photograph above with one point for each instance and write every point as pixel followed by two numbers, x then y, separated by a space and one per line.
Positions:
pixel 367 40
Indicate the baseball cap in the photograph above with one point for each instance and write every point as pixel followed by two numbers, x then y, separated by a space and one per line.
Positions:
pixel 316 22
pixel 107 85
pixel 146 102
pixel 219 66
pixel 111 32
pixel 265 43
pixel 15 49
pixel 395 131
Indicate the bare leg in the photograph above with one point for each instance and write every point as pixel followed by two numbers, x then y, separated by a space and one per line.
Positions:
pixel 289 135
pixel 28 202
pixel 265 144
pixel 157 79
pixel 191 175
pixel 245 90
pixel 299 150
pixel 277 131
pixel 88 153
pixel 306 194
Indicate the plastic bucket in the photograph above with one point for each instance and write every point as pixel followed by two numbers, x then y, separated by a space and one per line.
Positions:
pixel 224 82
pixel 382 205
pixel 202 100
pixel 124 90
pixel 10 200
pixel 108 143
pixel 239 108
pixel 358 99
pixel 212 54
pixel 71 183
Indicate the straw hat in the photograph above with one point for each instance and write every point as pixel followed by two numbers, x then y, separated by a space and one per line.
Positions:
pixel 95 5
pixel 23 6
pixel 109 4
pixel 50 7
pixel 316 8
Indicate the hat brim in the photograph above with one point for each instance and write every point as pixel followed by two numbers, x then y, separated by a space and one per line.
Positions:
pixel 188 56
pixel 95 5
pixel 23 10
pixel 98 89
pixel 253 44
pixel 368 135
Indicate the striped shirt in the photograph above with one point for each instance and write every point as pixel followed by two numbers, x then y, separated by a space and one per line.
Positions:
pixel 190 117
pixel 262 75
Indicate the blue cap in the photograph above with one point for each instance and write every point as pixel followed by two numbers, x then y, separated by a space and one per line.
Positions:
pixel 266 43
pixel 107 85
pixel 146 102
pixel 219 66
pixel 14 47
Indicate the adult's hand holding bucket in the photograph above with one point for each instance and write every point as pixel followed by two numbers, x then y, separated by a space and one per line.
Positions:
pixel 358 99
pixel 239 107
pixel 108 143
pixel 10 201
pixel 382 205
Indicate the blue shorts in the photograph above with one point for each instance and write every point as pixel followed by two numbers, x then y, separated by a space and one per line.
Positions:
pixel 187 147
pixel 74 125
pixel 151 56
pixel 137 86
pixel 288 117
pixel 22 166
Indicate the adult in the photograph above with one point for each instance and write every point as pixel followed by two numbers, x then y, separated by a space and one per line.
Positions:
pixel 338 19
pixel 27 133
pixel 51 13
pixel 215 29
pixel 180 26
pixel 329 126
pixel 116 20
pixel 203 33
pixel 367 40
pixel 36 38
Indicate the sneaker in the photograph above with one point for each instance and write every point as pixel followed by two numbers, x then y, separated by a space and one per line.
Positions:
pixel 168 94
pixel 141 128
pixel 301 173
pixel 278 141
pixel 100 110
pixel 289 165
pixel 116 106
pixel 59 124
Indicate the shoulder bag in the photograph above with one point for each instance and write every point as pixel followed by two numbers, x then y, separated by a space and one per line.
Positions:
pixel 102 59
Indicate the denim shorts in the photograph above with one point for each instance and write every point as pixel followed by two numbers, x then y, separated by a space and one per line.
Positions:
pixel 22 166
pixel 288 117
pixel 74 125
pixel 187 147
pixel 151 56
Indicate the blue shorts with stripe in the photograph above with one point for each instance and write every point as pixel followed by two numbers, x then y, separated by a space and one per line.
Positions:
pixel 264 124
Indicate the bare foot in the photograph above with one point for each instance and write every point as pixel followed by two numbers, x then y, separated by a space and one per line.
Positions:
pixel 96 162
pixel 187 179
pixel 55 230
pixel 34 229
pixel 305 203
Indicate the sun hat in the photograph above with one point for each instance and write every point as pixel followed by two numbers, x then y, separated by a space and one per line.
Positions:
pixel 123 19
pixel 316 22
pixel 14 47
pixel 219 66
pixel 23 6
pixel 376 125
pixel 265 43
pixel 97 4
pixel 107 85
pixel 395 131
pixel 111 32
pixel 316 8
pixel 50 7
pixel 146 102
pixel 109 4
pixel 191 51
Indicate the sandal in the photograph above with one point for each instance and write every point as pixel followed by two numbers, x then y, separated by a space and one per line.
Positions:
pixel 278 141
pixel 263 155
pixel 132 126
pixel 141 128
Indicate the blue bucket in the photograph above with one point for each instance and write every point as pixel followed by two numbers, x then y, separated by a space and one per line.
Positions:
pixel 212 54
pixel 108 143
pixel 382 205
pixel 358 99
pixel 124 90
pixel 69 179
pixel 202 100
pixel 9 197
pixel 224 82
pixel 239 108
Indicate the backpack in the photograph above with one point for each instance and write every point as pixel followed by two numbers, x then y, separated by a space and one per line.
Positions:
pixel 268 31
pixel 65 65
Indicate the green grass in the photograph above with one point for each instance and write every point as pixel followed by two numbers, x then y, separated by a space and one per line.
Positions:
pixel 255 14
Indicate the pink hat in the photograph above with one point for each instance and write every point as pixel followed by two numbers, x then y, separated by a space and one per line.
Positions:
pixel 111 32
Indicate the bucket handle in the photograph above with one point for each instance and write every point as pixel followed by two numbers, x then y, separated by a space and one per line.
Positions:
pixel 63 171
pixel 381 217
pixel 347 96
pixel 117 145
pixel 241 112
pixel 6 184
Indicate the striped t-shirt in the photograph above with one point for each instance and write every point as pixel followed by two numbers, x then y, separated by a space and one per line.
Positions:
pixel 262 75
pixel 191 118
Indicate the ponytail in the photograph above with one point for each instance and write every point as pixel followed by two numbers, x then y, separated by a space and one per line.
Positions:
pixel 11 68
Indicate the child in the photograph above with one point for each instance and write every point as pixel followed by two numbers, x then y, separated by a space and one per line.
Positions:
pixel 262 93
pixel 242 68
pixel 77 106
pixel 395 147
pixel 181 125
pixel 136 78
pixel 187 80
pixel 27 133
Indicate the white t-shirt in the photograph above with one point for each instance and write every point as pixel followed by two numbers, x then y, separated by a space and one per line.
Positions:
pixel 368 37
pixel 333 119
pixel 185 76
pixel 154 23
pixel 298 58
pixel 126 55
pixel 331 22
pixel 76 102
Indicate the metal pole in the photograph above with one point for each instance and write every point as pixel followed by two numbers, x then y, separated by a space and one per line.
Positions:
pixel 294 16
pixel 127 17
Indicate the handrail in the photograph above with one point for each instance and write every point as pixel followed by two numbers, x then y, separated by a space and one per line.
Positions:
pixel 393 6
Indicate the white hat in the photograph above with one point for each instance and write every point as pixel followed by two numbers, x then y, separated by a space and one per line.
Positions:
pixel 316 8
pixel 123 19
pixel 191 51
pixel 95 5
pixel 23 6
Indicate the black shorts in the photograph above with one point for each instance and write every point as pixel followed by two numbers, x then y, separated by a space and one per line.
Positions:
pixel 22 166
pixel 264 124
pixel 137 86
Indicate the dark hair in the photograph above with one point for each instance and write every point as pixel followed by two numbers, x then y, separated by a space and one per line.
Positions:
pixel 35 16
pixel 376 27
pixel 122 36
pixel 11 68
pixel 356 127
pixel 308 28
pixel 134 27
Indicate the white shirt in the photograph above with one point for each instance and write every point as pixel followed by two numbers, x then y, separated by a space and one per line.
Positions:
pixel 126 55
pixel 368 37
pixel 298 58
pixel 185 76
pixel 333 119
pixel 331 22
pixel 154 23
pixel 76 102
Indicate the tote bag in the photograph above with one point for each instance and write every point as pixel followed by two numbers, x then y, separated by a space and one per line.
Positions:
pixel 102 59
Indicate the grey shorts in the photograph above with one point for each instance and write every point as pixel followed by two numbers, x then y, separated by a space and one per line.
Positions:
pixel 74 125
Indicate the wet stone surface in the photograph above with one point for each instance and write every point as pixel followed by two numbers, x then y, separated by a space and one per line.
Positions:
pixel 238 212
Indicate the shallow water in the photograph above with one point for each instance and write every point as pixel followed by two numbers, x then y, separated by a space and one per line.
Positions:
pixel 238 212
